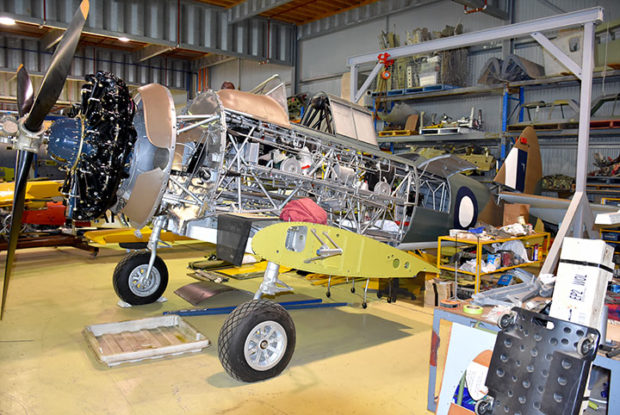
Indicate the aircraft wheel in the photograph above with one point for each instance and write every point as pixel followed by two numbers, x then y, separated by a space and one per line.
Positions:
pixel 256 341
pixel 131 284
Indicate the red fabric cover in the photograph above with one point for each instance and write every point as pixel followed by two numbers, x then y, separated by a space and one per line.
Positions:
pixel 303 210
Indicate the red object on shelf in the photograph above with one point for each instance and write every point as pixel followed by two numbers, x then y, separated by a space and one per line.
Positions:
pixel 384 58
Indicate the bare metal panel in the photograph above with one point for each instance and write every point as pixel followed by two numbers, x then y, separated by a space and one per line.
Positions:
pixel 353 120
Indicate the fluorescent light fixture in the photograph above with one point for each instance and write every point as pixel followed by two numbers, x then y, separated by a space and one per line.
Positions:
pixel 123 39
pixel 7 20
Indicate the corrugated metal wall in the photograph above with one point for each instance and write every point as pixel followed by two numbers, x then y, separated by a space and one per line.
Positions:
pixel 200 26
pixel 172 73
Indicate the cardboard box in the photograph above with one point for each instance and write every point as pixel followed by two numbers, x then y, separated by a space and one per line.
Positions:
pixel 585 269
pixel 437 290
pixel 512 211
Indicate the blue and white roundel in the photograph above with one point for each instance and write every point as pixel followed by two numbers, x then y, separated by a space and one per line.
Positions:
pixel 465 209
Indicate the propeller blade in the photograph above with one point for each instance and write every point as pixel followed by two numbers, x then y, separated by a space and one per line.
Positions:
pixel 25 93
pixel 58 70
pixel 22 168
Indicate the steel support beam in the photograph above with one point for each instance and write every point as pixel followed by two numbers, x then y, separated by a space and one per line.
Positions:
pixel 51 38
pixel 579 215
pixel 149 52
pixel 251 8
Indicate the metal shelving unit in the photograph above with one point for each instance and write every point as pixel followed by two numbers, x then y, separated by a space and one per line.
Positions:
pixel 541 240
pixel 418 138
pixel 507 90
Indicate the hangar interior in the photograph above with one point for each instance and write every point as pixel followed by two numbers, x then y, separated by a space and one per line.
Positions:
pixel 387 205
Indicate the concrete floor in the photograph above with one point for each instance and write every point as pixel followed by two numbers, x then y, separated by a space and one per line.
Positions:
pixel 347 360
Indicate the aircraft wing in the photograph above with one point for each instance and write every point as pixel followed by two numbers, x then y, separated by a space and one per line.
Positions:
pixel 550 209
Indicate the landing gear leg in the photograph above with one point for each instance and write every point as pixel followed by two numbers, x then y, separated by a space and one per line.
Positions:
pixel 329 286
pixel 364 303
pixel 271 284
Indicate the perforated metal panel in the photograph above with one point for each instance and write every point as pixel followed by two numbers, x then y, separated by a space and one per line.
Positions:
pixel 537 366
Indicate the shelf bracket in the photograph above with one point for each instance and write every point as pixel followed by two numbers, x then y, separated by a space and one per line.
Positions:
pixel 557 53
pixel 355 94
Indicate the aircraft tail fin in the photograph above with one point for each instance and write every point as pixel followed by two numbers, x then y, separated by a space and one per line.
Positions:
pixel 522 169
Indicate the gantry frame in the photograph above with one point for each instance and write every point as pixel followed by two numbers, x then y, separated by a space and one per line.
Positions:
pixel 579 218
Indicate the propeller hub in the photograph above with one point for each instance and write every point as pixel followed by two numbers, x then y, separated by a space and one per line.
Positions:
pixel 27 140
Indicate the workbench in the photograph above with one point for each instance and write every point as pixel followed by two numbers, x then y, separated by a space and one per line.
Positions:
pixel 540 239
pixel 458 316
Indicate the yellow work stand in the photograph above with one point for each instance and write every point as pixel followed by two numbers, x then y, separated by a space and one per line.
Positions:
pixel 541 239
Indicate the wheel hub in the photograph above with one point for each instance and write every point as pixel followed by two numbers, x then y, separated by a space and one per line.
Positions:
pixel 142 285
pixel 265 345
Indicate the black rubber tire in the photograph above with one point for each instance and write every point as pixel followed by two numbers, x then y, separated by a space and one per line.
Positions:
pixel 133 245
pixel 123 270
pixel 238 325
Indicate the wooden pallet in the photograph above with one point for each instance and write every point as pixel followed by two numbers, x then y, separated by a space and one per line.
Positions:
pixel 396 133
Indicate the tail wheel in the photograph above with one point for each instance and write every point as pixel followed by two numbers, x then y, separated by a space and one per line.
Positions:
pixel 131 282
pixel 256 341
